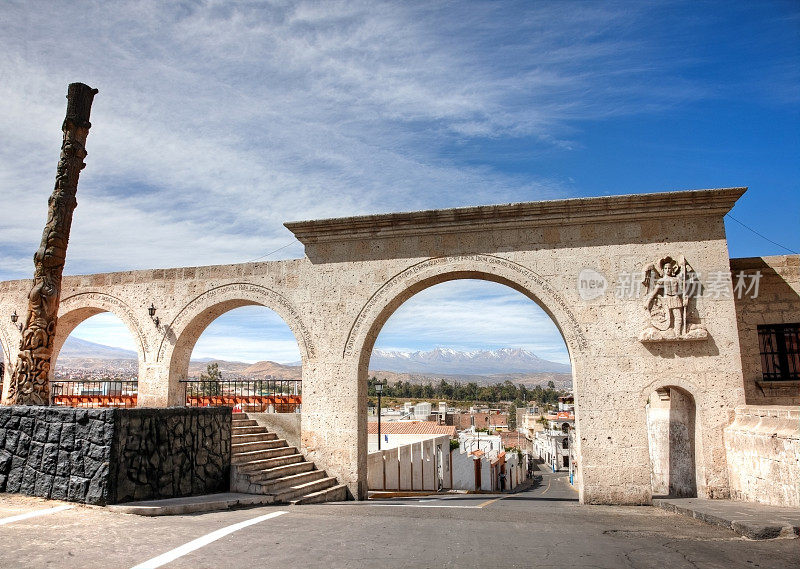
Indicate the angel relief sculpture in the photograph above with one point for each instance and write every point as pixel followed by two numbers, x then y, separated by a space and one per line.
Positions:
pixel 672 287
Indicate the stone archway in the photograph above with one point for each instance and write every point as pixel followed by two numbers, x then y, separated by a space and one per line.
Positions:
pixel 185 329
pixel 405 284
pixel 77 308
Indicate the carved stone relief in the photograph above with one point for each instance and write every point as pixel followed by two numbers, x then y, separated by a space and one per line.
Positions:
pixel 672 288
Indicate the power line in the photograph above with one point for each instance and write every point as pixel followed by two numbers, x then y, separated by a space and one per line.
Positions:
pixel 270 253
pixel 762 236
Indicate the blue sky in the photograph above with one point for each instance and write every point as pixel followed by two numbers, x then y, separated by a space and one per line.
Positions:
pixel 216 122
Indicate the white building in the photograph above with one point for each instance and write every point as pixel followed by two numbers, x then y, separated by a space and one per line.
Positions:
pixel 552 445
pixel 399 433
pixel 471 440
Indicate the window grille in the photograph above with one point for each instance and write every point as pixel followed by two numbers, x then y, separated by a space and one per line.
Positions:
pixel 779 345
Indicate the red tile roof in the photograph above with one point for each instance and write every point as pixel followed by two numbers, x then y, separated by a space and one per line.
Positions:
pixel 411 428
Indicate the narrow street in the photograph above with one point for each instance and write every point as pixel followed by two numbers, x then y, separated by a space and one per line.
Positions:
pixel 543 527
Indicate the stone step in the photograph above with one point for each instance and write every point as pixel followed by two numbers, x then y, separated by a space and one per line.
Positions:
pixel 336 493
pixel 268 463
pixel 262 463
pixel 280 471
pixel 295 492
pixel 278 485
pixel 239 447
pixel 252 437
pixel 252 430
pixel 250 456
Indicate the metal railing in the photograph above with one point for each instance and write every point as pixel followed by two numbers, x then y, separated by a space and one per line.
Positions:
pixel 94 393
pixel 271 395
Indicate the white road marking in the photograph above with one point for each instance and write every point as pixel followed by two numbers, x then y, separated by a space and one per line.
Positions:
pixel 33 514
pixel 169 556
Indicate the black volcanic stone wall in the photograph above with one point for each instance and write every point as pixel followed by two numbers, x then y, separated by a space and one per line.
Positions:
pixel 179 451
pixel 103 456
pixel 56 453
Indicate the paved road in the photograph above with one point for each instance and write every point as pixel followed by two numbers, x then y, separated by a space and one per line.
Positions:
pixel 544 527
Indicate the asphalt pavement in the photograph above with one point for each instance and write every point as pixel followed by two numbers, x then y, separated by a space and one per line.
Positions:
pixel 542 527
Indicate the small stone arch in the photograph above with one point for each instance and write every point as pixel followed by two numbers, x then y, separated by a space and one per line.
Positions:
pixel 75 309
pixel 664 437
pixel 688 387
pixel 5 341
pixel 185 329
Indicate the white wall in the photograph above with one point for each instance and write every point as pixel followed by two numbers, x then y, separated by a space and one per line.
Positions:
pixel 411 466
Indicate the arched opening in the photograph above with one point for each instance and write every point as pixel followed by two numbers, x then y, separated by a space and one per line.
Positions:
pixel 469 351
pixel 243 356
pixel 95 361
pixel 672 438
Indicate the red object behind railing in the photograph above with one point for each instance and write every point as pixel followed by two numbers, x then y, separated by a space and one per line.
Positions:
pixel 95 400
pixel 253 403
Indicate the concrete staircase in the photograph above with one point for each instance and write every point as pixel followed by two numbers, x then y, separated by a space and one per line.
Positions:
pixel 261 463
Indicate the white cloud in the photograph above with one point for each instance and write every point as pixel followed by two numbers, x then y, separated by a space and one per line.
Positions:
pixel 106 329
pixel 469 315
pixel 216 122
pixel 248 334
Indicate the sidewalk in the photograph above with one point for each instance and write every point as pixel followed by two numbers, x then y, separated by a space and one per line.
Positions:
pixel 192 504
pixel 754 521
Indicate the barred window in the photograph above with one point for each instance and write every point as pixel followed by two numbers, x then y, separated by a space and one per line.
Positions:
pixel 780 351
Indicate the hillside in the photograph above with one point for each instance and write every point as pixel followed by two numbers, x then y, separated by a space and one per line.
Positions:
pixel 484 367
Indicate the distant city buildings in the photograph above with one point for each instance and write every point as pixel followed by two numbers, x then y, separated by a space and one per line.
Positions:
pixel 552 443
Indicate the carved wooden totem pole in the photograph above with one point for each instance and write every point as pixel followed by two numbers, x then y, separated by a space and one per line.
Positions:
pixel 29 379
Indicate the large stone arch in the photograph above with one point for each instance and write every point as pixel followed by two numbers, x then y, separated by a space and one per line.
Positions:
pixel 76 308
pixel 405 284
pixel 430 272
pixel 185 329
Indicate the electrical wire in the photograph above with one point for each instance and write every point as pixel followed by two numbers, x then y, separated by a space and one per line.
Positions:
pixel 762 236
pixel 270 253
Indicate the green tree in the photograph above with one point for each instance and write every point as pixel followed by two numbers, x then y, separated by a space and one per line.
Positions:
pixel 551 385
pixel 512 416
pixel 210 380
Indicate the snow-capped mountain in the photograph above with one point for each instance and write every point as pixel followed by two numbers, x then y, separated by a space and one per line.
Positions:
pixel 454 362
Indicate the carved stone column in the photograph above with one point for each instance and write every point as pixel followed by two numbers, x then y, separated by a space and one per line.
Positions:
pixel 29 379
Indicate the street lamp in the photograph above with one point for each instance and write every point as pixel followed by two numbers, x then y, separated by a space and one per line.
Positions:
pixel 379 390
pixel 152 312
pixel 14 318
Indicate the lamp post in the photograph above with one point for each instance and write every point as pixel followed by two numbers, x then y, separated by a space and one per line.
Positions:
pixel 379 390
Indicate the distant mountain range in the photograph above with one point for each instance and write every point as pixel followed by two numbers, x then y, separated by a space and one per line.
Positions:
pixel 75 348
pixel 483 366
pixel 453 362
